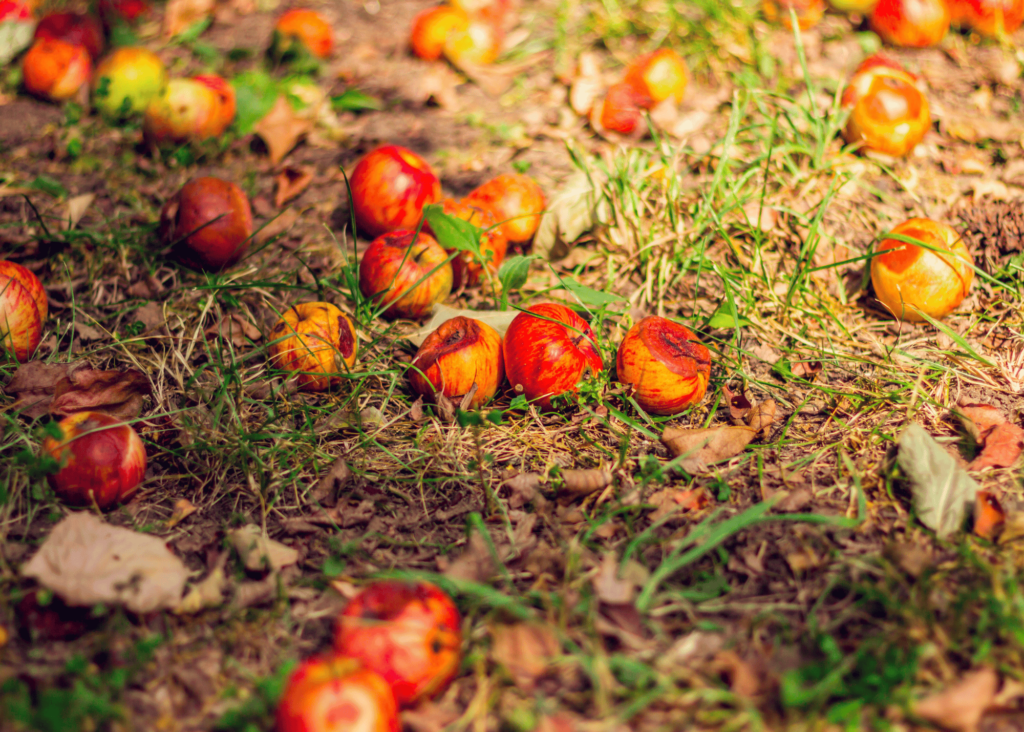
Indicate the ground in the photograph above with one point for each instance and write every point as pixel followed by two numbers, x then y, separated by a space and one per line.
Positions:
pixel 790 584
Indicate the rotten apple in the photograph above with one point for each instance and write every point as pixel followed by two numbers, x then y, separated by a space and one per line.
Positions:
pixel 910 23
pixel 934 279
pixel 619 111
pixel 888 111
pixel 184 111
pixel 808 12
pixel 467 267
pixel 407 272
pixel 226 96
pixel 102 460
pixel 665 364
pixel 29 281
pixel 79 29
pixel 317 341
pixel 656 77
pixel 333 693
pixel 302 28
pixel 516 201
pixel 390 186
pixel 431 27
pixel 55 70
pixel 548 349
pixel 409 633
pixel 461 354
pixel 208 222
pixel 991 18
pixel 126 80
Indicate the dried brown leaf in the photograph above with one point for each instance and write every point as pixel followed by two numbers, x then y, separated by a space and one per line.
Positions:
pixel 259 552
pixel 281 129
pixel 743 678
pixel 523 488
pixel 117 392
pixel 151 315
pixel 978 419
pixel 180 15
pixel 961 706
pixel 580 483
pixel 291 182
pixel 416 410
pixel 739 405
pixel 326 491
pixel 183 508
pixel 806 369
pixel 234 329
pixel 609 586
pixel 207 593
pixel 761 416
pixel 526 650
pixel 702 447
pixel 32 385
pixel 276 226
pixel 475 564
pixel 989 516
pixel 1002 447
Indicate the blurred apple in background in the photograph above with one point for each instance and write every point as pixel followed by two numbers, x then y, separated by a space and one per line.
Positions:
pixel 390 186
pixel 460 353
pixel 619 111
pixel 409 272
pixel 55 70
pixel 21 325
pixel 305 28
pixel 990 18
pixel 808 12
pixel 226 95
pixel 666 366
pixel 102 460
pixel 910 23
pixel 431 27
pixel 656 77
pixel 548 349
pixel 79 29
pixel 209 222
pixel 476 44
pixel 467 269
pixel 516 201
pixel 130 12
pixel 335 693
pixel 126 80
pixel 185 110
pixel 888 112
pixel 317 341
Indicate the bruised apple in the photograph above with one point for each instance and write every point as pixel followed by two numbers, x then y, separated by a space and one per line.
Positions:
pixel 101 459
pixel 126 80
pixel 409 633
pixel 909 279
pixel 666 366
pixel 209 223
pixel 888 112
pixel 21 326
pixel 55 70
pixel 467 267
pixel 656 77
pixel 910 23
pixel 460 354
pixel 29 281
pixel 390 186
pixel 79 29
pixel 431 28
pixel 808 12
pixel 185 110
pixel 317 341
pixel 991 18
pixel 333 693
pixel 548 349
pixel 407 272
pixel 516 201
pixel 619 111
pixel 305 28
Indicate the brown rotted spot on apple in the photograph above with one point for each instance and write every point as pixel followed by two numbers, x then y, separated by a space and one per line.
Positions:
pixel 679 354
pixel 346 338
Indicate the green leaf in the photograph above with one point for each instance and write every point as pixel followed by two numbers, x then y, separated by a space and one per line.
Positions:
pixel 468 419
pixel 723 319
pixel 513 272
pixel 353 100
pixel 255 94
pixel 192 33
pixel 941 489
pixel 452 232
pixel 49 185
pixel 519 402
pixel 588 295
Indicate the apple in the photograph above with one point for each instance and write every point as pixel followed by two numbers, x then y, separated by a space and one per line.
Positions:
pixel 209 223
pixel 409 633
pixel 390 186
pixel 333 693
pixel 79 29
pixel 102 460
pixel 908 278
pixel 316 340
pixel 302 28
pixel 516 201
pixel 808 12
pixel 130 12
pixel 29 281
pixel 185 110
pixel 991 18
pixel 888 112
pixel 126 80
pixel 21 327
pixel 431 27
pixel 461 352
pixel 619 111
pixel 45 617
pixel 476 44
pixel 548 349
pixel 406 271
pixel 861 7
pixel 226 95
pixel 500 12
pixel 911 23
pixel 466 267
pixel 665 364
pixel 656 77
pixel 55 70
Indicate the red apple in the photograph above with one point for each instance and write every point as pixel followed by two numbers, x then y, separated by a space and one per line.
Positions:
pixel 226 94
pixel 317 341
pixel 991 18
pixel 666 366
pixel 79 29
pixel 390 186
pixel 335 693
pixel 547 350
pixel 516 201
pixel 55 70
pixel 656 77
pixel 185 110
pixel 123 11
pixel 29 281
pixel 126 80
pixel 101 460
pixel 407 272
pixel 908 278
pixel 808 12
pixel 45 617
pixel 888 112
pixel 466 267
pixel 409 633
pixel 619 111
pixel 431 28
pixel 209 222
pixel 303 27
pixel 21 327
pixel 461 353
pixel 911 23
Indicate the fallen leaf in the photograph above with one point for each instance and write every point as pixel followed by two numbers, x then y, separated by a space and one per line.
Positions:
pixel 675 500
pixel 180 15
pixel 961 706
pixel 86 561
pixel 438 82
pixel 1002 447
pixel 475 564
pixel 742 677
pixel 183 508
pixel 526 650
pixel 326 491
pixel 32 386
pixel 989 516
pixel 615 585
pixel 207 593
pixel 523 488
pixel 739 405
pixel 430 716
pixel 588 84
pixel 579 483
pixel 117 392
pixel 416 410
pixel 151 315
pixel 343 516
pixel 761 416
pixel 702 447
pixel 281 129
pixel 291 182
pixel 76 208
pixel 806 369
pixel 497 319
pixel 941 489
pixel 572 210
pixel 978 419
pixel 259 552
pixel 234 329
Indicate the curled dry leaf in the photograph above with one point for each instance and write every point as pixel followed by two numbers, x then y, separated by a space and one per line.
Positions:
pixel 961 706
pixel 326 491
pixel 183 508
pixel 702 447
pixel 523 488
pixel 526 650
pixel 1000 440
pixel 475 564
pixel 941 489
pixel 806 369
pixel 739 405
pixel 180 15
pixel 207 593
pixel 579 483
pixel 259 552
pixel 616 585
pixel 86 561
pixel 32 386
pixel 674 500
pixel 989 516
pixel 281 129
pixel 291 182
pixel 762 416
pixel 63 389
pixel 743 678
pixel 572 211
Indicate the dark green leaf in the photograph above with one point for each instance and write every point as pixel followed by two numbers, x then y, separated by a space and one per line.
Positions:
pixel 353 100
pixel 588 295
pixel 514 271
pixel 50 186
pixel 451 231
pixel 255 94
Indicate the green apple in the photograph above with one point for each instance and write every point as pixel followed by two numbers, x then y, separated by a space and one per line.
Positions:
pixel 126 80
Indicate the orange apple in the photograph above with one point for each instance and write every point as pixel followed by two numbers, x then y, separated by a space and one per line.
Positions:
pixel 909 279
pixel 466 267
pixel 226 95
pixel 461 353
pixel 476 44
pixel 888 112
pixel 991 18
pixel 316 340
pixel 656 77
pixel 548 349
pixel 808 12
pixel 619 111
pixel 29 281
pixel 405 271
pixel 665 364
pixel 21 327
pixel 390 186
pixel 209 223
pixel 303 27
pixel 184 111
pixel 409 633
pixel 126 80
pixel 516 201
pixel 431 27
pixel 102 460
pixel 55 70
pixel 911 23
pixel 336 693
pixel 79 29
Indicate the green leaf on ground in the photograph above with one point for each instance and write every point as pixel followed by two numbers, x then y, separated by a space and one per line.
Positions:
pixel 353 100
pixel 255 94
pixel 451 231
pixel 942 490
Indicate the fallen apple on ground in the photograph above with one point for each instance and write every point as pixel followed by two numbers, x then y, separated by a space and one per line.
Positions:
pixel 808 12
pixel 619 111
pixel 908 278
pixel 408 272
pixel 333 693
pixel 186 110
pixel 888 112
pixel 126 80
pixel 21 326
pixel 431 27
pixel 130 12
pixel 29 281
pixel 317 341
pixel 467 269
pixel 910 23
pixel 476 44
pixel 656 77
pixel 990 18
pixel 665 364
pixel 102 460
pixel 517 202
pixel 55 70
pixel 548 349
pixel 460 353
pixel 79 29
pixel 409 633
pixel 208 222
pixel 390 186
pixel 305 28
pixel 228 106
